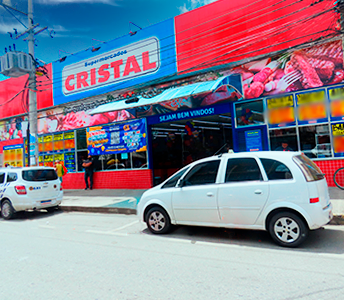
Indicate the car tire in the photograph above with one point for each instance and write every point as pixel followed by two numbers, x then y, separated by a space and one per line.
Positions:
pixel 287 229
pixel 158 221
pixel 7 210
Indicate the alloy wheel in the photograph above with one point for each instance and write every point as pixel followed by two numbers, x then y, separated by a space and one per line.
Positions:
pixel 287 230
pixel 157 221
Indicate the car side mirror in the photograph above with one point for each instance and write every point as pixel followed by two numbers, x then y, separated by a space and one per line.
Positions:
pixel 181 183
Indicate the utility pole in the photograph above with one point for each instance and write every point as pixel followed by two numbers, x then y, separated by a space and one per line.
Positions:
pixel 32 90
pixel 32 131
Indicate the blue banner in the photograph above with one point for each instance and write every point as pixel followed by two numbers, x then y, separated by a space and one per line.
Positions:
pixel 189 114
pixel 117 138
pixel 127 61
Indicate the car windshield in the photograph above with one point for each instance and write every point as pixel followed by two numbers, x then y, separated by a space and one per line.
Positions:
pixel 309 169
pixel 39 175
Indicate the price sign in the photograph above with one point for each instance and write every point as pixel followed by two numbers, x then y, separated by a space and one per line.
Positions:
pixel 47 138
pixel 70 161
pixel 337 103
pixel 312 107
pixel 281 110
pixel 40 139
pixel 69 135
pixel 58 137
pixel 48 158
pixel 59 157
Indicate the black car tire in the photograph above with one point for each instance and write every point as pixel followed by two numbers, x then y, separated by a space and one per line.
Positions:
pixel 158 221
pixel 7 210
pixel 287 229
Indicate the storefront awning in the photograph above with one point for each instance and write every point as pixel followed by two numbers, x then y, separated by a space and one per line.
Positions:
pixel 170 94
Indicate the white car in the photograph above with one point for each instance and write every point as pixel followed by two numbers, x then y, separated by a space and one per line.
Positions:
pixel 284 193
pixel 28 188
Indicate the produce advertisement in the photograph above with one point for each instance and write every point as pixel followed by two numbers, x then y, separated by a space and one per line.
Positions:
pixel 296 70
pixel 311 107
pixel 336 96
pixel 338 139
pixel 281 111
pixel 117 138
pixel 13 155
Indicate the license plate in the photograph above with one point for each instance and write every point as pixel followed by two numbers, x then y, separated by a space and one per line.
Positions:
pixel 46 202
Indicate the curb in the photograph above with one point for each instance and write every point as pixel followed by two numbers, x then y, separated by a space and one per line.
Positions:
pixel 104 210
pixel 337 220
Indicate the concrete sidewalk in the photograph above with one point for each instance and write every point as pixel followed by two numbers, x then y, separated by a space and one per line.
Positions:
pixel 125 201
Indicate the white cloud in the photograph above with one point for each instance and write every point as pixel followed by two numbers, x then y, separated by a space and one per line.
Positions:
pixel 55 2
pixel 8 27
pixel 192 4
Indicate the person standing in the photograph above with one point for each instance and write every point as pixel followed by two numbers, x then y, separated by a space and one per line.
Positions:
pixel 88 165
pixel 60 169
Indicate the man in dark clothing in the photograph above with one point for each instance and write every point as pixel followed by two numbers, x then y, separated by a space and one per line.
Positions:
pixel 284 147
pixel 88 165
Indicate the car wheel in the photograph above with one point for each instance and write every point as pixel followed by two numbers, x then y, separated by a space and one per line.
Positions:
pixel 158 221
pixel 288 229
pixel 7 210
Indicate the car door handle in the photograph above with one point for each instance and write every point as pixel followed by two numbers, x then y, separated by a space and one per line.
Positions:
pixel 258 192
pixel 210 194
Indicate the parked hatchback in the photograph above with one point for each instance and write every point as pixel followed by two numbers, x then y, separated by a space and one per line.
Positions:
pixel 28 188
pixel 284 193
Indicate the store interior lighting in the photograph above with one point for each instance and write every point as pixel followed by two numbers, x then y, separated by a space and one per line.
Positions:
pixel 225 117
pixel 205 122
pixel 165 129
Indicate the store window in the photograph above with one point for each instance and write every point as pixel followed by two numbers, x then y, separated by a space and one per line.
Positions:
pixel 283 139
pixel 315 141
pixel 249 113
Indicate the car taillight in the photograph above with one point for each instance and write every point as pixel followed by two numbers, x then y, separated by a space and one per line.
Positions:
pixel 61 187
pixel 314 200
pixel 20 189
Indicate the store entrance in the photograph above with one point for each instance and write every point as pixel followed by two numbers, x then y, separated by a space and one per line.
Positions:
pixel 179 143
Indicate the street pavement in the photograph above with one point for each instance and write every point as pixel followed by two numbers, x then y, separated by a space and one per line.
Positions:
pixel 124 201
pixel 91 256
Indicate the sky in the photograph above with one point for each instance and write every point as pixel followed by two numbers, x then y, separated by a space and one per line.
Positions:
pixel 81 24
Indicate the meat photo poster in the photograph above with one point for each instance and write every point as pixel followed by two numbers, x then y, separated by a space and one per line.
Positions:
pixel 293 70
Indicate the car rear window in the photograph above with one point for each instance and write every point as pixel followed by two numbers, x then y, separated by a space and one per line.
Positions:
pixel 275 170
pixel 309 169
pixel 39 175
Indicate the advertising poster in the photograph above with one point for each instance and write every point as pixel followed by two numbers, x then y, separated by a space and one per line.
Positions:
pixel 338 139
pixel 311 107
pixel 12 129
pixel 291 71
pixel 13 155
pixel 117 138
pixel 253 140
pixel 281 111
pixel 336 97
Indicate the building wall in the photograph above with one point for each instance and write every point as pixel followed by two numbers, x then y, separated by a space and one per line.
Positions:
pixel 130 179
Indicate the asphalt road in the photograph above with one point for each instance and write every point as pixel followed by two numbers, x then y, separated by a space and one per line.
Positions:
pixel 99 256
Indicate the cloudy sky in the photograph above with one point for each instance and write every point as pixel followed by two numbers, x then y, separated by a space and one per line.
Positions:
pixel 80 24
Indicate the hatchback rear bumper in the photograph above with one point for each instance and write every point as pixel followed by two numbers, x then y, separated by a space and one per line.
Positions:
pixel 321 216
